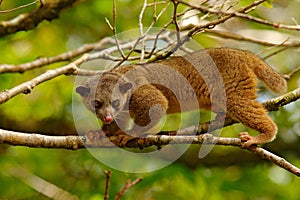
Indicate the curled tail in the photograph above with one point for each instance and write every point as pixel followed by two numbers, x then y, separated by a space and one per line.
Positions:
pixel 267 75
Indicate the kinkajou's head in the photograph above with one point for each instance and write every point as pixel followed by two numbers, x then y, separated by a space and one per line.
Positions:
pixel 106 95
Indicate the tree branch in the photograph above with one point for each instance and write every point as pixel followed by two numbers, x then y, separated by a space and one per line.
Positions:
pixel 281 162
pixel 101 141
pixel 265 22
pixel 43 61
pixel 70 69
pixel 129 184
pixel 50 11
pixel 220 20
pixel 107 184
pixel 77 142
pixel 292 73
pixel 242 14
pixel 193 30
pixel 275 103
pixel 234 36
pixel 19 7
pixel 27 21
pixel 27 87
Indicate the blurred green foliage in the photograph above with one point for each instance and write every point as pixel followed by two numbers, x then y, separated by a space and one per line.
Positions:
pixel 226 172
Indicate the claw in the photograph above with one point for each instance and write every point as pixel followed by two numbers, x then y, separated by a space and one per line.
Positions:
pixel 94 135
pixel 246 139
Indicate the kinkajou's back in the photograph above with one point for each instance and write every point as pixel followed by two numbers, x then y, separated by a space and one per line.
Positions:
pixel 131 89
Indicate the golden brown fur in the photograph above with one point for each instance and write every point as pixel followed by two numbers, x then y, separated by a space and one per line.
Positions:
pixel 207 72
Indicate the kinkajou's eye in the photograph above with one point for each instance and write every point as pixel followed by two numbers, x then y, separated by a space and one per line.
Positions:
pixel 96 104
pixel 115 104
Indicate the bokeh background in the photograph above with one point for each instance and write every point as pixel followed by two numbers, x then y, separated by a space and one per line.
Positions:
pixel 226 173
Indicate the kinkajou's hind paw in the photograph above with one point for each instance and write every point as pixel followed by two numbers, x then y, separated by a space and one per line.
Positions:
pixel 246 139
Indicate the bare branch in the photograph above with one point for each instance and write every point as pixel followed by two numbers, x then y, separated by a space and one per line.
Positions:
pixel 141 27
pixel 101 139
pixel 265 22
pixel 6 68
pixel 41 141
pixel 26 21
pixel 129 184
pixel 113 27
pixel 275 52
pixel 234 36
pixel 19 7
pixel 107 184
pixel 242 14
pixel 76 142
pixel 26 87
pixel 220 20
pixel 292 73
pixel 281 162
pixel 70 69
pixel 175 4
pixel 193 30
pixel 142 36
pixel 275 103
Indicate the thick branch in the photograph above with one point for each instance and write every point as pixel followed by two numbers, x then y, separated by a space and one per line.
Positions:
pixel 27 21
pixel 77 142
pixel 35 140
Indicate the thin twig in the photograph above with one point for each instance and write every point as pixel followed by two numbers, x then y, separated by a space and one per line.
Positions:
pixel 19 7
pixel 242 14
pixel 107 184
pixel 275 52
pixel 281 162
pixel 138 40
pixel 113 27
pixel 69 69
pixel 142 35
pixel 265 22
pixel 234 36
pixel 43 61
pixel 201 28
pixel 292 73
pixel 155 2
pixel 226 17
pixel 175 4
pixel 129 184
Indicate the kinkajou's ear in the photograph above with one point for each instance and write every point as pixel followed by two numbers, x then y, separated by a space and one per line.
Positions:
pixel 125 87
pixel 83 91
